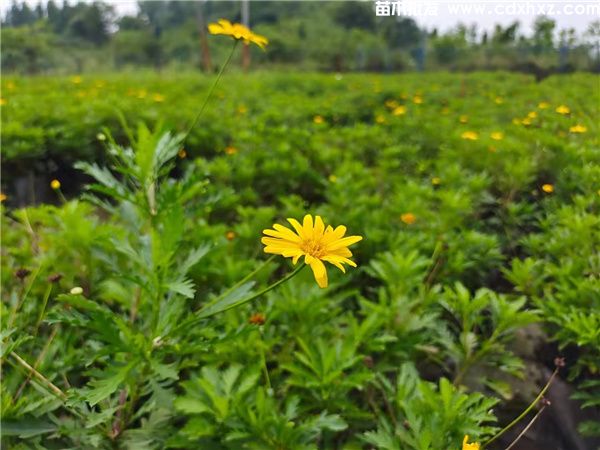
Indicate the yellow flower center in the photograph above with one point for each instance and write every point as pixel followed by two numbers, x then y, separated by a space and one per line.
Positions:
pixel 313 248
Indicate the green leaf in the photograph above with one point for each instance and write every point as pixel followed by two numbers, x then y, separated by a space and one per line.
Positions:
pixel 104 387
pixel 184 287
pixel 26 428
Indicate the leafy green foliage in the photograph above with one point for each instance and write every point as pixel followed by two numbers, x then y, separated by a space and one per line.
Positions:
pixel 463 252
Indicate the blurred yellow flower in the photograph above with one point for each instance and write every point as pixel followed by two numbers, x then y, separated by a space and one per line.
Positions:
pixel 470 135
pixel 76 79
pixel 2 196
pixel 417 99
pixel 463 119
pixel 562 109
pixel 318 119
pixel 399 111
pixel 497 135
pixel 182 153
pixel 578 129
pixel 532 114
pixel 158 98
pixel 313 241
pixel 526 121
pixel 467 446
pixel 380 119
pixel 230 150
pixel 548 188
pixel 499 100
pixel 55 184
pixel 230 235
pixel 408 218
pixel 391 104
pixel 142 93
pixel 543 105
pixel 436 181
pixel 2 101
pixel 237 31
pixel 332 178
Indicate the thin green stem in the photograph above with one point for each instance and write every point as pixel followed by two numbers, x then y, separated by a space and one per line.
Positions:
pixel 199 315
pixel 524 413
pixel 51 386
pixel 261 349
pixel 210 92
pixel 260 293
pixel 43 310
pixel 21 300
pixel 242 281
pixel 526 429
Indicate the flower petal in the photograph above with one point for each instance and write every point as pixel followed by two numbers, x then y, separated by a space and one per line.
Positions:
pixel 319 272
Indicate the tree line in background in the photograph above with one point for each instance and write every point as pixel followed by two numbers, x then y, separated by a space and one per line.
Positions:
pixel 340 36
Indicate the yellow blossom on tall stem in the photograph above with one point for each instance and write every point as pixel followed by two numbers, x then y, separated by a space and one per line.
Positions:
pixel 315 242
pixel 55 184
pixel 238 32
pixel 469 446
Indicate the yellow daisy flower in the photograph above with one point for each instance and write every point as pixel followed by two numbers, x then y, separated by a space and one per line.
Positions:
pixel 497 135
pixel 318 120
pixel 562 109
pixel 548 188
pixel 399 111
pixel 471 446
pixel 470 135
pixel 237 31
pixel 532 114
pixel 408 218
pixel 313 241
pixel 543 105
pixel 578 129
pixel 55 184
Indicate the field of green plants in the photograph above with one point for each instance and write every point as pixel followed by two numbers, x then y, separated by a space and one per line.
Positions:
pixel 140 310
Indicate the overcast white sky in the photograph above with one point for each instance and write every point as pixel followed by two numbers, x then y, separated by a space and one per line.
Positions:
pixel 445 14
